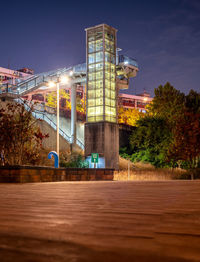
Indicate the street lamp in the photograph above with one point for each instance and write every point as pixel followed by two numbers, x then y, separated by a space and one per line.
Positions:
pixel 145 99
pixel 60 80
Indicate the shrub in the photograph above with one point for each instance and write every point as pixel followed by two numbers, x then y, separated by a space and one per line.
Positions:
pixel 73 161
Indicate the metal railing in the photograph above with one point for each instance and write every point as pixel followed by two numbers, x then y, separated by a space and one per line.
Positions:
pixel 41 115
pixel 36 81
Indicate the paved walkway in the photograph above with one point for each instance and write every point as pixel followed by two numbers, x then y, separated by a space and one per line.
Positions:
pixel 100 221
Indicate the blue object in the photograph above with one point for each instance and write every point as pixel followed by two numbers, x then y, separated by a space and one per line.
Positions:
pixel 56 158
pixel 100 164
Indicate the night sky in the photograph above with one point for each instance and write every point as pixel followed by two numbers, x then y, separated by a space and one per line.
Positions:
pixel 163 36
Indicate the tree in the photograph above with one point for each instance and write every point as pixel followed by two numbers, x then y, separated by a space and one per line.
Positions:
pixel 170 131
pixel 192 102
pixel 150 140
pixel 80 105
pixel 64 97
pixel 129 116
pixel 21 138
pixel 168 103
pixel 186 132
pixel 52 98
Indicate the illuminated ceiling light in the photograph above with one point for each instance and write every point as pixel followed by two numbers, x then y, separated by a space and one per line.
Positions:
pixel 51 84
pixel 64 79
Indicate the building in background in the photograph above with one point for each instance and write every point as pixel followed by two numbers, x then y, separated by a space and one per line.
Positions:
pixel 9 76
pixel 134 101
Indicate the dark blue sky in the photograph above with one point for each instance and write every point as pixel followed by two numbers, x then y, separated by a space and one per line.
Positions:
pixel 163 36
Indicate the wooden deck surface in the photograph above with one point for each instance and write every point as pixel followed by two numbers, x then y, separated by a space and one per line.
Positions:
pixel 100 221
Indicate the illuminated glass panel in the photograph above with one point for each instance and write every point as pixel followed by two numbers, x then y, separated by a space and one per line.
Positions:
pixel 91 47
pixel 91 68
pixel 91 102
pixel 99 45
pixel 101 74
pixel 99 66
pixel 112 85
pixel 113 103
pixel 91 94
pixel 91 76
pixel 99 84
pixel 91 84
pixel 99 57
pixel 99 93
pixel 99 101
pixel 91 58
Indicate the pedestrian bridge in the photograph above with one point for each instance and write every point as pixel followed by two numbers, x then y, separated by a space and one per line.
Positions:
pixel 125 69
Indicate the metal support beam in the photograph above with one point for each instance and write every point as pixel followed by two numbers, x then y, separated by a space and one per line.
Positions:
pixel 73 114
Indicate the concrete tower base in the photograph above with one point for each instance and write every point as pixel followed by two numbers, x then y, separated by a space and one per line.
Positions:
pixel 103 138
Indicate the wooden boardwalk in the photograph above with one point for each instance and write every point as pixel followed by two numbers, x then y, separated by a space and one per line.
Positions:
pixel 100 221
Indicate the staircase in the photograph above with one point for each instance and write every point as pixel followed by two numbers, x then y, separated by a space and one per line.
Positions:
pixel 52 122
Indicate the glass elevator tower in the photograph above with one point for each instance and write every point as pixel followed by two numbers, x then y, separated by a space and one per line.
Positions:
pixel 101 129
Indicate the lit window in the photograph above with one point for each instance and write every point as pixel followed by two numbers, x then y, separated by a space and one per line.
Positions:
pixel 113 94
pixel 91 102
pixel 91 58
pixel 107 101
pixel 99 57
pixel 91 47
pixel 99 45
pixel 99 110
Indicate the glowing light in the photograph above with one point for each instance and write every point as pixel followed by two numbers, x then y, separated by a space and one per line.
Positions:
pixel 51 84
pixel 145 99
pixel 64 79
pixel 71 73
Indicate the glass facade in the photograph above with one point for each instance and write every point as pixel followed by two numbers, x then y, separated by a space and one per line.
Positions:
pixel 127 60
pixel 101 74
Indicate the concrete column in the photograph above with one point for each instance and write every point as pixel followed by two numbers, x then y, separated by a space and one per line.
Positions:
pixel 73 114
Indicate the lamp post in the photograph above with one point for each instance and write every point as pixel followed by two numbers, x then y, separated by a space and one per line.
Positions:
pixel 58 118
pixel 62 80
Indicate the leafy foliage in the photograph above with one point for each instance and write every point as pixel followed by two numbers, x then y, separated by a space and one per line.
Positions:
pixel 192 103
pixel 169 134
pixel 64 101
pixel 150 140
pixel 52 98
pixel 21 138
pixel 168 103
pixel 70 160
pixel 186 144
pixel 186 133
pixel 129 116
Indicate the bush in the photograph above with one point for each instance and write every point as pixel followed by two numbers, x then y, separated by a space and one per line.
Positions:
pixel 149 156
pixel 73 161
pixel 21 138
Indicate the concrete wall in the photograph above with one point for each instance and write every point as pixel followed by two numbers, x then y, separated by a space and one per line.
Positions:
pixel 103 138
pixel 124 134
pixel 65 125
pixel 50 142
pixel 28 174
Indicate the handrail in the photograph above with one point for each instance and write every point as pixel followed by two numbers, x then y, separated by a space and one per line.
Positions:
pixel 37 112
